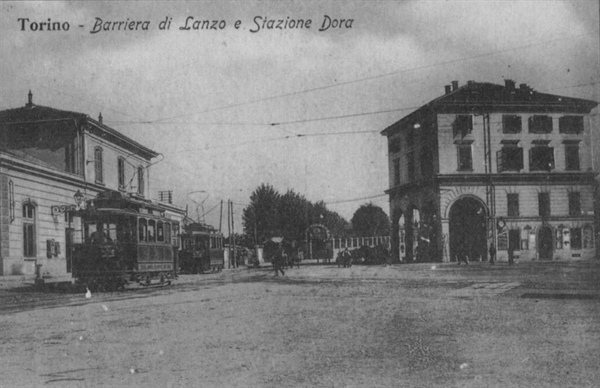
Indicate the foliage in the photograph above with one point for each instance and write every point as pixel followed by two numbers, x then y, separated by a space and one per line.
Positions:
pixel 370 220
pixel 271 214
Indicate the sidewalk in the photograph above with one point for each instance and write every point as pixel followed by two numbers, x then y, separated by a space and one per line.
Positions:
pixel 20 281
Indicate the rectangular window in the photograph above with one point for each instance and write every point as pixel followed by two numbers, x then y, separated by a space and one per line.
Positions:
pixel 540 124
pixel 121 172
pixel 465 158
pixel 411 165
pixel 541 158
pixel 575 238
pixel 509 158
pixel 28 240
pixel 572 157
pixel 426 162
pixel 98 168
pixel 141 182
pixel 512 200
pixel 462 125
pixel 511 124
pixel 544 204
pixel 574 203
pixel 70 157
pixel 396 163
pixel 570 124
pixel 394 145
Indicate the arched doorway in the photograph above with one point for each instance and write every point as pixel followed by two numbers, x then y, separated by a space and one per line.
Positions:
pixel 468 234
pixel 545 243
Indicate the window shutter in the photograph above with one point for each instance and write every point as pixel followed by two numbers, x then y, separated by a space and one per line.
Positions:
pixel 551 158
pixel 500 160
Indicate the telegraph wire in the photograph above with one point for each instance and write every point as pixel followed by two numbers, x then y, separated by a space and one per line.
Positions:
pixel 356 199
pixel 402 71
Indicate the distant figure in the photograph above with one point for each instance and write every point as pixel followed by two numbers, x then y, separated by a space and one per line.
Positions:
pixel 99 237
pixel 492 253
pixel 278 260
pixel 345 258
pixel 511 256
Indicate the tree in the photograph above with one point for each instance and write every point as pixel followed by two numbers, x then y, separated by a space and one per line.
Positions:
pixel 271 214
pixel 370 220
pixel 261 217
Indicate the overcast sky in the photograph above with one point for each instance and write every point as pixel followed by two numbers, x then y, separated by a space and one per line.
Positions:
pixel 206 99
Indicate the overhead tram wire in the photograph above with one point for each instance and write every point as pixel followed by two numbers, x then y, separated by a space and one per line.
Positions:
pixel 324 87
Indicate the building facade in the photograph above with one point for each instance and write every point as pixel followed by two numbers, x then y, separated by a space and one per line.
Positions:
pixel 51 161
pixel 501 164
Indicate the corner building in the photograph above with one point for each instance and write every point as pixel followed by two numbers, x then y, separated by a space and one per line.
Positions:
pixel 502 164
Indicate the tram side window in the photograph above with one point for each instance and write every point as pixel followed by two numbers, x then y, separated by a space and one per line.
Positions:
pixel 143 227
pixel 111 231
pixel 167 233
pixel 151 230
pixel 160 236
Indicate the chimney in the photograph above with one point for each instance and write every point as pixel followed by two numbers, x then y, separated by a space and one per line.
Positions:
pixel 447 89
pixel 454 85
pixel 100 118
pixel 509 84
pixel 30 100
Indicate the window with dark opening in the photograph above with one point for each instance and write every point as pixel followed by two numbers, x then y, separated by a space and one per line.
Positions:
pixel 574 203
pixel 572 157
pixel 570 124
pixel 98 165
pixel 121 172
pixel 544 204
pixel 512 204
pixel 396 164
pixel 509 158
pixel 29 238
pixel 462 125
pixel 575 238
pixel 141 183
pixel 465 158
pixel 541 158
pixel 411 165
pixel 511 124
pixel 394 145
pixel 540 124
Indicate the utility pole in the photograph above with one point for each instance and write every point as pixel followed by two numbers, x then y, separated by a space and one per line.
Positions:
pixel 221 216
pixel 235 263
pixel 229 233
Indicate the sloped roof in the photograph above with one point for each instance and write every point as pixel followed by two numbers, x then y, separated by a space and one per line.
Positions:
pixel 50 120
pixel 485 97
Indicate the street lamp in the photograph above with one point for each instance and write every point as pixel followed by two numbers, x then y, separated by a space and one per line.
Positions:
pixel 79 198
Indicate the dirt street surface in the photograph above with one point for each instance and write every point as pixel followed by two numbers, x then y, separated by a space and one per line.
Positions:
pixel 419 325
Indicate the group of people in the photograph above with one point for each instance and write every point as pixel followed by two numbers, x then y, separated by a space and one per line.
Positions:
pixel 492 251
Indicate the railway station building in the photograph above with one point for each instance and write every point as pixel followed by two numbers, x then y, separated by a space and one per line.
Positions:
pixel 503 164
pixel 52 161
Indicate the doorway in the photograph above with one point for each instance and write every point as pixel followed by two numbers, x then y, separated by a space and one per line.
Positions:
pixel 545 243
pixel 468 235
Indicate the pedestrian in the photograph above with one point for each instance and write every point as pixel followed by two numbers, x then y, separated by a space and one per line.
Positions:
pixel 278 259
pixel 492 253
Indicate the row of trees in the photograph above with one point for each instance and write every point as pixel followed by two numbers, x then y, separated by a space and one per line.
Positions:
pixel 288 215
